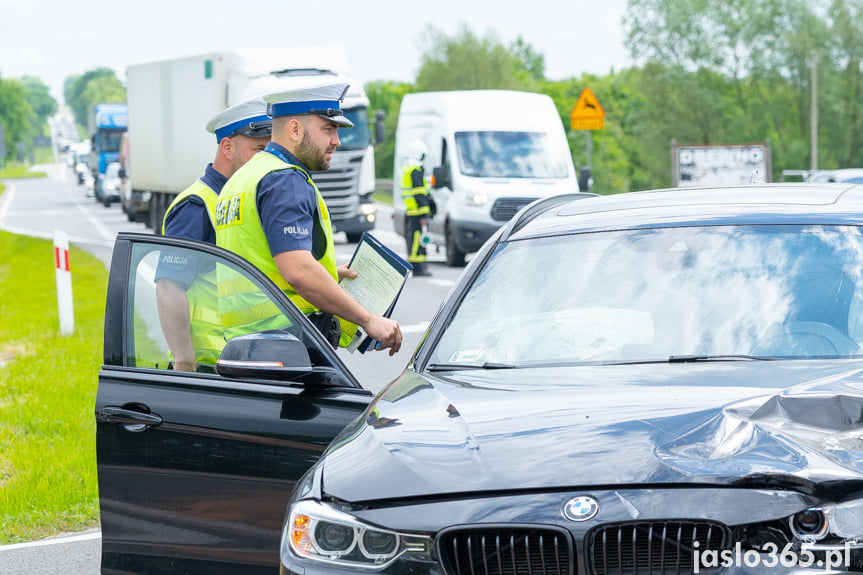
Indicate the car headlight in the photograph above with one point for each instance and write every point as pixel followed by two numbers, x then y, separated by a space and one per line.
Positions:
pixel 476 200
pixel 846 519
pixel 809 525
pixel 325 534
pixel 830 527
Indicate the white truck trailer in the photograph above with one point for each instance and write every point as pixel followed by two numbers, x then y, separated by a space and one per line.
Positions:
pixel 171 101
pixel 488 154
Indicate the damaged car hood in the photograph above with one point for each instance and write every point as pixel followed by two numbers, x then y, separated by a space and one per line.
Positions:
pixel 539 428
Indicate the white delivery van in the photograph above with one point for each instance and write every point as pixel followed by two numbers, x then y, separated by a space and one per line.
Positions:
pixel 488 154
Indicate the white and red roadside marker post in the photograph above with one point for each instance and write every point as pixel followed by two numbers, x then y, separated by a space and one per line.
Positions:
pixel 64 283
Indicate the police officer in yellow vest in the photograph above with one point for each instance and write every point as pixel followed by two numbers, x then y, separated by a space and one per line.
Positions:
pixel 271 213
pixel 415 196
pixel 186 295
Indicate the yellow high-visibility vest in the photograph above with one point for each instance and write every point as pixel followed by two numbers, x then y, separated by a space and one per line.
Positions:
pixel 244 308
pixel 208 337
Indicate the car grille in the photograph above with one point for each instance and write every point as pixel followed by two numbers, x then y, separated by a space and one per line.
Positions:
pixel 504 209
pixel 652 547
pixel 506 551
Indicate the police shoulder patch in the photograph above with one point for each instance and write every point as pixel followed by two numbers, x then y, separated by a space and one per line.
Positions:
pixel 229 212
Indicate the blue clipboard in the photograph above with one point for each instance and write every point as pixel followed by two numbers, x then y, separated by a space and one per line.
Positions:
pixel 398 263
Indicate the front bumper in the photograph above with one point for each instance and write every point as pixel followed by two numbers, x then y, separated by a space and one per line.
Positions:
pixel 139 202
pixel 685 530
pixel 359 223
pixel 470 236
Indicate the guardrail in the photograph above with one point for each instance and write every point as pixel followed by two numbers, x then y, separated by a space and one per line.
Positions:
pixel 802 174
pixel 383 191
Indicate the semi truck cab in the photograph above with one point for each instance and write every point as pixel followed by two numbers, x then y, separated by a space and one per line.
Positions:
pixel 108 123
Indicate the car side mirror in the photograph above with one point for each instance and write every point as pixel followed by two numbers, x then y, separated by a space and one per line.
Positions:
pixel 273 354
pixel 122 173
pixel 380 135
pixel 440 178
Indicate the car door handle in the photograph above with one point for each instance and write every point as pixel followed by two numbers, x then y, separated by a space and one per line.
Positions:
pixel 122 416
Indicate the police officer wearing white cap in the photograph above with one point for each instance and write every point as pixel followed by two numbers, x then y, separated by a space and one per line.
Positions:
pixel 241 131
pixel 188 307
pixel 271 213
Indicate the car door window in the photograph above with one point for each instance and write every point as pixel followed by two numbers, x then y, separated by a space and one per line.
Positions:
pixel 166 281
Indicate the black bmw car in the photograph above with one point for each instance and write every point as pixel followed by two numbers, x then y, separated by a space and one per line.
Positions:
pixel 656 382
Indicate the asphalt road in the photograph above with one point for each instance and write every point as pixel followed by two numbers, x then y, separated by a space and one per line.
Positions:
pixel 39 207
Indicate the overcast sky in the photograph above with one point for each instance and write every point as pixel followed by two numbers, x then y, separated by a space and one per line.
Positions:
pixel 52 39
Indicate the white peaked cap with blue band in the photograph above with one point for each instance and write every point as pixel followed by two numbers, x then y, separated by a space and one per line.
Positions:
pixel 322 100
pixel 247 118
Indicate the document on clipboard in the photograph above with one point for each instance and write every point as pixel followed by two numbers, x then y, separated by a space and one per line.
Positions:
pixel 381 275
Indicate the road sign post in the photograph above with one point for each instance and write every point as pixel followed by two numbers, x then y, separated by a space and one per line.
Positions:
pixel 587 114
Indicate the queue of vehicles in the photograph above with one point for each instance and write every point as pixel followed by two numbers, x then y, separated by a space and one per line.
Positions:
pixel 482 167
pixel 171 101
pixel 107 124
pixel 160 130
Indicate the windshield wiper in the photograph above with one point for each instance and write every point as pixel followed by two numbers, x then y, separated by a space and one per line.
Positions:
pixel 457 366
pixel 695 358
pixel 671 359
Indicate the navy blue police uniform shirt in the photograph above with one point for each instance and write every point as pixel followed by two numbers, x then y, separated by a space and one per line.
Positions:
pixel 287 205
pixel 189 220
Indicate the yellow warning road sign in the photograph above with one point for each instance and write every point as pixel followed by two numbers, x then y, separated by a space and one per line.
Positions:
pixel 587 114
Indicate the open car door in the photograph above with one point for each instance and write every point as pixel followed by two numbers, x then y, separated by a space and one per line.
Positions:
pixel 195 468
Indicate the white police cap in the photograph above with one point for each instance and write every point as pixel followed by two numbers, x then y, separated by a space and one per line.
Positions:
pixel 247 118
pixel 322 100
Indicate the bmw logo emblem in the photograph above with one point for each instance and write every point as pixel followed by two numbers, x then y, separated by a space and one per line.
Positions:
pixel 581 508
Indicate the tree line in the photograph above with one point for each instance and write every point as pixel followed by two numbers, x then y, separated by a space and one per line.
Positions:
pixel 706 72
pixel 26 104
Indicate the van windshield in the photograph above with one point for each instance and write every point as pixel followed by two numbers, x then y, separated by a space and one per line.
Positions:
pixel 508 155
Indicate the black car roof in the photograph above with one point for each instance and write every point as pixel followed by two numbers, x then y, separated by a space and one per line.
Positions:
pixel 824 203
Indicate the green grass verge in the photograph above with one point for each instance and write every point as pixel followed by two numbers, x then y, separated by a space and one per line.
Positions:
pixel 15 172
pixel 48 383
